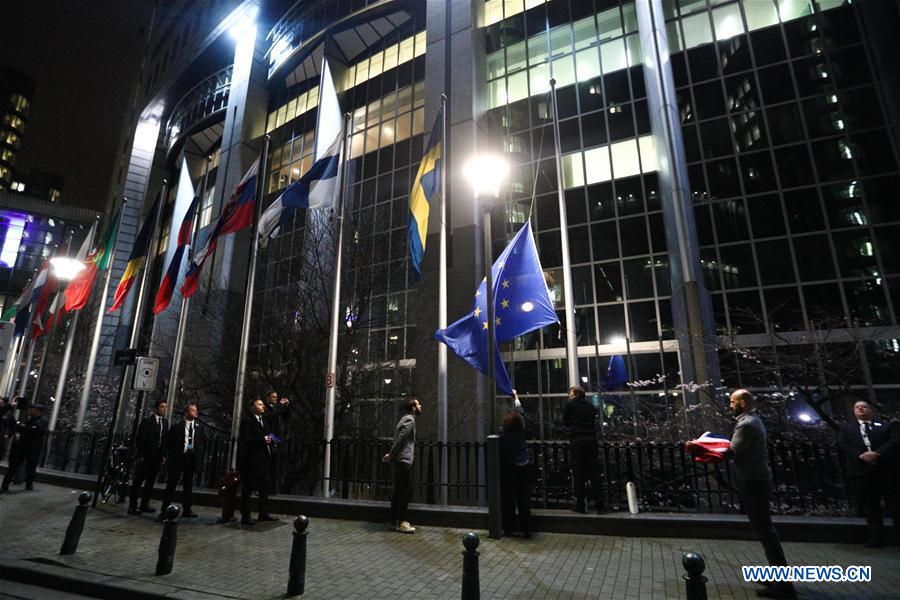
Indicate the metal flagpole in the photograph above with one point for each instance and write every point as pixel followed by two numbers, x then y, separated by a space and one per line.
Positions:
pixel 330 381
pixel 67 354
pixel 40 369
pixel 172 391
pixel 571 342
pixel 248 306
pixel 98 328
pixel 23 385
pixel 13 368
pixel 119 408
pixel 442 311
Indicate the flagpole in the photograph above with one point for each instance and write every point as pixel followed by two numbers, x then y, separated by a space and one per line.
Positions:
pixel 40 369
pixel 23 385
pixel 172 391
pixel 119 407
pixel 571 341
pixel 9 375
pixel 248 305
pixel 330 390
pixel 67 353
pixel 98 328
pixel 442 311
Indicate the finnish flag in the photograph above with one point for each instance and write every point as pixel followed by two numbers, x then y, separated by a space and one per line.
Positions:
pixel 318 187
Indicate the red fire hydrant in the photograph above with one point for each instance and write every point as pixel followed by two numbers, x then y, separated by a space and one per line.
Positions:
pixel 228 486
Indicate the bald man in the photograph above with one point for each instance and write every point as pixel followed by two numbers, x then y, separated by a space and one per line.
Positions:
pixel 754 481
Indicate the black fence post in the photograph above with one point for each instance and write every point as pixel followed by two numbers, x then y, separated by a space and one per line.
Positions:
pixel 694 581
pixel 76 525
pixel 166 554
pixel 297 571
pixel 471 585
pixel 495 506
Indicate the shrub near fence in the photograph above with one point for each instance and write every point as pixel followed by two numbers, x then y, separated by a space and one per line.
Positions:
pixel 808 477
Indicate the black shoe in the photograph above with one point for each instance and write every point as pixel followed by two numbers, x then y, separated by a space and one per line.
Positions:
pixel 778 591
pixel 246 521
pixel 134 511
pixel 579 509
pixel 527 535
pixel 189 514
pixel 29 487
pixel 266 517
pixel 148 509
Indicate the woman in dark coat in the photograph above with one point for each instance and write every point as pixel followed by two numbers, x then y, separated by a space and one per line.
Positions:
pixel 515 473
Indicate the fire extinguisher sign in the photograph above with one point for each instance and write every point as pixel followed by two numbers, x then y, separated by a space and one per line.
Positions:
pixel 329 380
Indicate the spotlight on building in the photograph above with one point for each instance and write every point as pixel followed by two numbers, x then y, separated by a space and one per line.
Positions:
pixel 244 24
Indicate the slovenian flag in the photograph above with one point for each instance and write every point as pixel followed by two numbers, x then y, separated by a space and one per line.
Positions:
pixel 426 187
pixel 318 187
pixel 164 295
pixel 709 448
pixel 139 253
pixel 237 215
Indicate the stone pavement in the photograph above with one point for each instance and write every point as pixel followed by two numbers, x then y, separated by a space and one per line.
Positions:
pixel 349 559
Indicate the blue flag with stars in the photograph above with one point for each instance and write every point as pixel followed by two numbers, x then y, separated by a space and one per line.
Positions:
pixel 521 304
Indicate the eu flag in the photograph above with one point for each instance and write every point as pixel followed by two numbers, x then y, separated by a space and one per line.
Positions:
pixel 521 304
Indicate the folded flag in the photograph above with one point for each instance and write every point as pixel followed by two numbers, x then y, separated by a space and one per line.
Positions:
pixel 425 189
pixel 236 215
pixel 315 189
pixel 167 287
pixel 521 304
pixel 709 448
pixel 139 254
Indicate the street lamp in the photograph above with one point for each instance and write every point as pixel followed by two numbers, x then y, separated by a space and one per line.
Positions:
pixel 66 268
pixel 486 174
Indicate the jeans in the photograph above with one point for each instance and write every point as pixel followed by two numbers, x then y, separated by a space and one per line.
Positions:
pixel 587 464
pixel 402 493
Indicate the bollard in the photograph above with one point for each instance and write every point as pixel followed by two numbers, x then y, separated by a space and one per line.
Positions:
pixel 495 505
pixel 166 555
pixel 471 587
pixel 297 571
pixel 694 581
pixel 76 525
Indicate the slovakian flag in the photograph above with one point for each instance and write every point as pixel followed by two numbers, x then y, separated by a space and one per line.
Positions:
pixel 79 289
pixel 138 258
pixel 237 215
pixel 709 448
pixel 167 287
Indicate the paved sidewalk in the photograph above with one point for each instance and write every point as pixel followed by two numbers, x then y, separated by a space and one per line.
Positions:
pixel 349 560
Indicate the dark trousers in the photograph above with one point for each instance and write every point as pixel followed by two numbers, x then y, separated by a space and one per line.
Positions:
pixel 870 489
pixel 516 494
pixel 145 471
pixel 402 493
pixel 18 456
pixel 274 478
pixel 253 480
pixel 587 465
pixel 755 497
pixel 184 470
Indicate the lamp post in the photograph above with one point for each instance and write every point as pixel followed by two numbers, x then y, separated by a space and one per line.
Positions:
pixel 486 174
pixel 66 269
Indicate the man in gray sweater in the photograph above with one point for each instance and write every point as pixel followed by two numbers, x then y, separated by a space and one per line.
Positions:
pixel 401 459
pixel 754 481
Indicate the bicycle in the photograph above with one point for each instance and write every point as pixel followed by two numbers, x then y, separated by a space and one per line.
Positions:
pixel 116 477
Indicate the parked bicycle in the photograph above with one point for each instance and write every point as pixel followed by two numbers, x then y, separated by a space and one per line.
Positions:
pixel 117 476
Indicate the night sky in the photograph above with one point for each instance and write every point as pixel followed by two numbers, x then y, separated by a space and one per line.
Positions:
pixel 84 57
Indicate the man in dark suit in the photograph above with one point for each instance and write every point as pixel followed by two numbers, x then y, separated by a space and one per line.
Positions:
pixel 254 454
pixel 871 448
pixel 754 482
pixel 149 450
pixel 278 415
pixel 184 444
pixel 29 437
pixel 580 421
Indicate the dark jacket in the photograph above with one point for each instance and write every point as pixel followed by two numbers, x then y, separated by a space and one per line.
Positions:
pixel 749 451
pixel 7 420
pixel 253 452
pixel 404 448
pixel 580 418
pixel 175 441
pixel 30 433
pixel 149 445
pixel 884 438
pixel 513 448
pixel 277 417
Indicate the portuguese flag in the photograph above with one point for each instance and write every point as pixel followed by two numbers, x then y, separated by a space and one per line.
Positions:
pixel 79 289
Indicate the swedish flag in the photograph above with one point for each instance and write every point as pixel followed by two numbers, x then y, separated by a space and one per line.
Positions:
pixel 425 189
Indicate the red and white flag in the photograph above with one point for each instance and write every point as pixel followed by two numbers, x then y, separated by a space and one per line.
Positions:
pixel 709 448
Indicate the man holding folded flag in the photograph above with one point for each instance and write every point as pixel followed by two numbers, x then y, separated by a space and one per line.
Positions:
pixel 521 304
pixel 139 253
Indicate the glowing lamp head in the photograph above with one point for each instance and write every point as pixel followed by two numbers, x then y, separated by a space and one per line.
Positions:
pixel 66 268
pixel 486 174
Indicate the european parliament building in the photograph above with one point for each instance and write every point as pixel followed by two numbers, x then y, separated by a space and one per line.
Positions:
pixel 729 168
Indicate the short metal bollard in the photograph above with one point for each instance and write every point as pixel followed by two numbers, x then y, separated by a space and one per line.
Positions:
pixel 76 525
pixel 297 572
pixel 694 581
pixel 166 555
pixel 471 586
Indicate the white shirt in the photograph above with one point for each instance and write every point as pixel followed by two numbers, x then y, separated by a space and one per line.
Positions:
pixel 864 434
pixel 188 442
